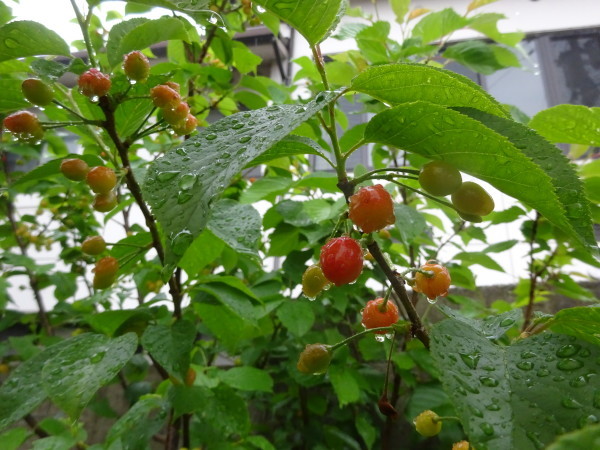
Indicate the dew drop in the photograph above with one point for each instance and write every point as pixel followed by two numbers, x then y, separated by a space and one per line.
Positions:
pixel 475 411
pixel 571 403
pixel 95 359
pixel 181 242
pixel 488 381
pixel 507 322
pixel 244 139
pixel 379 338
pixel 535 440
pixel 11 43
pixel 493 407
pixel 527 355
pixel 167 175
pixel 568 350
pixel 525 365
pixel 569 364
pixel 471 360
pixel 578 382
pixel 247 115
pixel 211 137
pixel 487 428
pixel 181 151
pixel 187 181
pixel 543 373
pixel 237 126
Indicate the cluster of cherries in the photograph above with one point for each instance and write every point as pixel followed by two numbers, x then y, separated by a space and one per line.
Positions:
pixel 102 180
pixel 105 271
pixel 94 84
pixel 341 262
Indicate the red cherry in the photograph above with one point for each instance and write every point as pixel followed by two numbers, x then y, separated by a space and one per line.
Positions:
pixel 374 315
pixel 435 286
pixel 176 115
pixel 164 96
pixel 24 125
pixel 94 83
pixel 74 169
pixel 372 208
pixel 341 260
pixel 105 202
pixel 105 272
pixel 187 126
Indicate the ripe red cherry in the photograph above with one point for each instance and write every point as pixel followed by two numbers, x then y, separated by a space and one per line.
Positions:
pixel 164 96
pixel 94 83
pixel 101 179
pixel 105 202
pixel 24 125
pixel 136 66
pixel 435 286
pixel 94 245
pixel 74 169
pixel 341 260
pixel 105 272
pixel 375 315
pixel 177 114
pixel 372 208
pixel 37 92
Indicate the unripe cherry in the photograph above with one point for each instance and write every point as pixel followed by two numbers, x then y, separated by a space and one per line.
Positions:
pixel 74 169
pixel 93 245
pixel 174 116
pixel 136 66
pixel 105 272
pixel 188 126
pixel 315 358
pixel 164 97
pixel 37 92
pixel 105 202
pixel 428 424
pixel 313 281
pixel 101 179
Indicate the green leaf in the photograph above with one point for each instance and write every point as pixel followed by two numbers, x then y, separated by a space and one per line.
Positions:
pixel 130 115
pixel 239 226
pixel 171 346
pixel 137 34
pixel 236 301
pixel 136 427
pixel 569 124
pixel 181 185
pixel 482 57
pixel 585 439
pixel 289 146
pixel 14 438
pixel 438 24
pixel 479 258
pixel 488 25
pixel 20 393
pixel 266 188
pixel 582 322
pixel 492 327
pixel 521 396
pixel 297 316
pixel 371 42
pixel 409 223
pixel 566 184
pixel 400 8
pixel 442 134
pixel 403 83
pixel 344 384
pixel 12 98
pixel 247 379
pixel 53 168
pixel 85 364
pixel 204 250
pixel 109 322
pixel 27 38
pixel 313 20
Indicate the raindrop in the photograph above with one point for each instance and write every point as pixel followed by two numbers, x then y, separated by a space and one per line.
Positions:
pixel 488 381
pixel 507 322
pixel 587 420
pixel 543 373
pixel 211 137
pixel 568 350
pixel 11 43
pixel 95 359
pixel 475 411
pixel 237 126
pixel 379 338
pixel 246 115
pixel 260 10
pixel 535 440
pixel 493 407
pixel 578 382
pixel 525 365
pixel 244 139
pixel 187 181
pixel 558 378
pixel 273 108
pixel 181 242
pixel 487 428
pixel 432 301
pixel 167 175
pixel 571 403
pixel 527 355
pixel 320 98
pixel 569 364
pixel 584 353
pixel 181 151
pixel 470 360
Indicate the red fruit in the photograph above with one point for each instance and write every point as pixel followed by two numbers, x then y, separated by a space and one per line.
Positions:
pixel 94 83
pixel 174 116
pixel 93 245
pixel 101 179
pixel 375 315
pixel 136 66
pixel 37 92
pixel 435 286
pixel 105 272
pixel 315 358
pixel 372 208
pixel 24 125
pixel 105 202
pixel 164 97
pixel 173 85
pixel 74 169
pixel 187 126
pixel 341 260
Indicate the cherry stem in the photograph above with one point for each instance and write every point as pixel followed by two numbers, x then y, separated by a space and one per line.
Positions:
pixel 357 335
pixel 383 306
pixel 373 173
pixel 341 220
pixel 389 361
pixel 442 418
